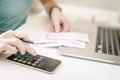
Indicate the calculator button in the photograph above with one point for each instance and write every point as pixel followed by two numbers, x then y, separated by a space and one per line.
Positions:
pixel 29 63
pixel 28 59
pixel 40 64
pixel 34 64
pixel 19 55
pixel 20 60
pixel 34 58
pixel 15 59
pixel 26 55
pixel 24 61
pixel 39 59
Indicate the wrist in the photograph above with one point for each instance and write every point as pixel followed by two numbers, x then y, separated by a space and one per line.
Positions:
pixel 54 8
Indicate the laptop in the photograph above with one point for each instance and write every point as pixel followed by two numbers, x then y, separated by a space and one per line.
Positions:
pixel 104 45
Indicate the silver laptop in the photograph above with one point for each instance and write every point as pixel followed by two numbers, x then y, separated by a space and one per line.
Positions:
pixel 104 45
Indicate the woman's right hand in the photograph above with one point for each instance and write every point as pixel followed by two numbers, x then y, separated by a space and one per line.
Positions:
pixel 10 41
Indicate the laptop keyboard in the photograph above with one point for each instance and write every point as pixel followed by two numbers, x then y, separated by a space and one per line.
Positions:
pixel 108 41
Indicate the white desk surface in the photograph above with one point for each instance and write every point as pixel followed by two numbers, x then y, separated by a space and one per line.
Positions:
pixel 71 68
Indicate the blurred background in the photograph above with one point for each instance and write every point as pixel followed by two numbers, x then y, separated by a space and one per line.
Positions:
pixel 104 4
pixel 105 11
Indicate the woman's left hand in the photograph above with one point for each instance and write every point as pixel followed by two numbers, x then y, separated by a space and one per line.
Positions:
pixel 59 22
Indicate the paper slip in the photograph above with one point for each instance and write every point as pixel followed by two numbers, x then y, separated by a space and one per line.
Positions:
pixel 65 43
pixel 72 43
pixel 66 36
pixel 67 39
pixel 49 45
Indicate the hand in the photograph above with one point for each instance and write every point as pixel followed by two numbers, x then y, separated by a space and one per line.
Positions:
pixel 10 41
pixel 59 21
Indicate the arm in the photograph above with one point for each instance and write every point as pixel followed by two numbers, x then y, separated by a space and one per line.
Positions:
pixel 49 5
pixel 59 22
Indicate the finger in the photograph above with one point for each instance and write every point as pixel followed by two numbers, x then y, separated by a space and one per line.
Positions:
pixel 11 34
pixel 20 34
pixel 61 27
pixel 6 47
pixel 57 26
pixel 16 43
pixel 65 26
pixel 30 49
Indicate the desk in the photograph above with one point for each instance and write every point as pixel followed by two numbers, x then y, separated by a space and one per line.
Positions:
pixel 71 68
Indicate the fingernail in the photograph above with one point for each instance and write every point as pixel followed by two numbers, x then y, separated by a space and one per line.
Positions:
pixel 22 53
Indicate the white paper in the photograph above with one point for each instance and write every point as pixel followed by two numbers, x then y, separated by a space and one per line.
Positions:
pixel 66 36
pixel 67 39
pixel 65 43
pixel 72 43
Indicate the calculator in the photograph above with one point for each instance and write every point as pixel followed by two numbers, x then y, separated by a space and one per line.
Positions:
pixel 37 62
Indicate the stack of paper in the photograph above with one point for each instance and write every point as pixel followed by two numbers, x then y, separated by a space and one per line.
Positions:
pixel 67 39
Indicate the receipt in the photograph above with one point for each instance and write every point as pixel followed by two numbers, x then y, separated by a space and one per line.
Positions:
pixel 67 36
pixel 72 43
pixel 65 43
pixel 67 39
